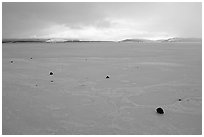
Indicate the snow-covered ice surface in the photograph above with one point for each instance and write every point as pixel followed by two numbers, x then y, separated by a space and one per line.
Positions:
pixel 80 100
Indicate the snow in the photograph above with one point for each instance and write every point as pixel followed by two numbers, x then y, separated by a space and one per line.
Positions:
pixel 80 100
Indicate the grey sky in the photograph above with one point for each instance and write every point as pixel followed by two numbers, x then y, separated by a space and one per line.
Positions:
pixel 102 21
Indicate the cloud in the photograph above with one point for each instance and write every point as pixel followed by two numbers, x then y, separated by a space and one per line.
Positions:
pixel 102 21
pixel 106 29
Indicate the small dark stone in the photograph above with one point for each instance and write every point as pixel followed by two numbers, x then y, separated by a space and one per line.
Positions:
pixel 107 77
pixel 31 58
pixel 11 61
pixel 160 110
pixel 51 81
pixel 51 73
pixel 36 85
pixel 179 99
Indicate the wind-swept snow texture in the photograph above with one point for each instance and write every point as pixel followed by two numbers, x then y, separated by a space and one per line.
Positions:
pixel 79 99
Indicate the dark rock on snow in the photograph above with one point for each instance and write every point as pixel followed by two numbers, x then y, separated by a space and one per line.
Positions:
pixel 51 73
pixel 160 110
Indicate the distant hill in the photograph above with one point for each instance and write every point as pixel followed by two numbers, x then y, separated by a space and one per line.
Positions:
pixel 163 40
pixel 61 40
pixel 138 40
pixel 57 40
pixel 181 40
pixel 22 40
pixel 54 40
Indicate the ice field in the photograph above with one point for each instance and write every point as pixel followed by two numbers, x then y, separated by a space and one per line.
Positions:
pixel 78 99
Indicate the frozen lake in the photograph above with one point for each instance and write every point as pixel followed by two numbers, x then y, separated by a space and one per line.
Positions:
pixel 78 99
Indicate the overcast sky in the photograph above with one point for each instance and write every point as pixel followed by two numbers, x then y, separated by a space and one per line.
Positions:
pixel 102 21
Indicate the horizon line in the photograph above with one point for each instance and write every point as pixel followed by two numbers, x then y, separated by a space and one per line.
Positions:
pixel 110 40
